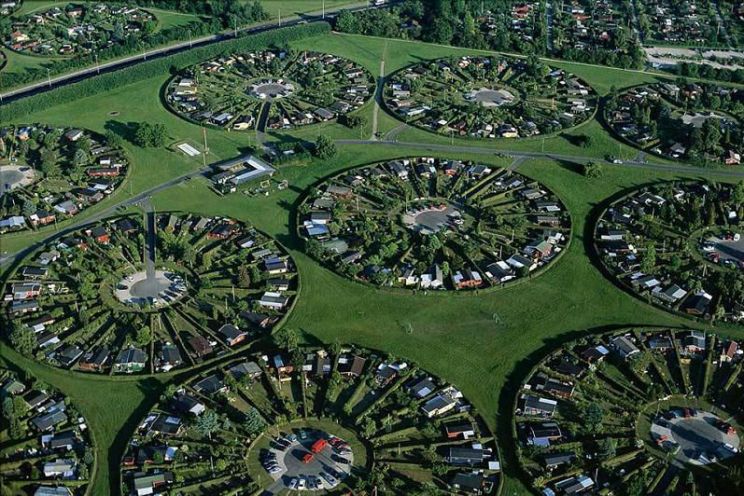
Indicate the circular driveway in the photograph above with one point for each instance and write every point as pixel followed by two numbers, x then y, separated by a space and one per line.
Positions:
pixel 428 220
pixel 13 176
pixel 140 288
pixel 335 460
pixel 272 89
pixel 700 437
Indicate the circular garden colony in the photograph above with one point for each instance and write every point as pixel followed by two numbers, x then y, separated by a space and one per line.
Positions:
pixel 78 28
pixel 272 89
pixel 311 419
pixel 147 294
pixel 48 174
pixel 680 246
pixel 46 449
pixel 434 224
pixel 489 97
pixel 700 122
pixel 640 411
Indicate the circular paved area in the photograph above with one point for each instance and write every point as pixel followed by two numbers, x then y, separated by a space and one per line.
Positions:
pixel 700 439
pixel 335 460
pixel 728 249
pixel 13 176
pixel 488 97
pixel 429 220
pixel 272 89
pixel 159 288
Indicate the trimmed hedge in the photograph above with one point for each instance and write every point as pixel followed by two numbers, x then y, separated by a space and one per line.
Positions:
pixel 161 66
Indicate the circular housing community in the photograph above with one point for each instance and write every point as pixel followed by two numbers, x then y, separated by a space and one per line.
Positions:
pixel 489 97
pixel 46 449
pixel 640 411
pixel 271 89
pixel 78 29
pixel 151 294
pixel 427 223
pixel 48 174
pixel 693 121
pixel 312 419
pixel 680 246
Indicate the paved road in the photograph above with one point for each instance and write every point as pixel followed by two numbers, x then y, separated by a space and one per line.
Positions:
pixel 128 61
pixel 135 200
pixel 635 163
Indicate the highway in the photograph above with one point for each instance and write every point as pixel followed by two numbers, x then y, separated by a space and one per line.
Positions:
pixel 130 60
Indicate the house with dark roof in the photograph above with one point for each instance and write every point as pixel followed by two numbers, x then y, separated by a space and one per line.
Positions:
pixel 467 457
pixel 623 346
pixel 351 366
pixel 232 335
pixel 537 406
pixel 211 384
pixel 130 360
pixel 241 370
pixel 460 430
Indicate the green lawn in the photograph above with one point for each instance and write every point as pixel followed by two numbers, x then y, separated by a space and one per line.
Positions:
pixel 482 343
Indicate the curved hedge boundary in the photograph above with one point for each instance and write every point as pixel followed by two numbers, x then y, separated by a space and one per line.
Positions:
pixel 596 255
pixel 420 292
pixel 153 68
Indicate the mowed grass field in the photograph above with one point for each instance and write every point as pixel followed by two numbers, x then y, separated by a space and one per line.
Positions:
pixel 483 343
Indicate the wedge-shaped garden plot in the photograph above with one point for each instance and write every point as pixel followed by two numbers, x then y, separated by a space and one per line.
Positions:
pixel 270 90
pixel 679 246
pixel 78 28
pixel 49 174
pixel 316 420
pixel 489 97
pixel 432 224
pixel 47 449
pixel 150 293
pixel 639 411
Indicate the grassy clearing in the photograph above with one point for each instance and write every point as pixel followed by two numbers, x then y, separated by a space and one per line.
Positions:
pixel 484 344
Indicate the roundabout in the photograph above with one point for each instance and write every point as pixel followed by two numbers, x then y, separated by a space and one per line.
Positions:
pixel 696 437
pixel 312 419
pixel 488 97
pixel 272 89
pixel 146 294
pixel 432 224
pixel 15 176
pixel 678 246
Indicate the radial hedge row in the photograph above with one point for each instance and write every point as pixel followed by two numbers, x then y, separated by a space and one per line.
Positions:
pixel 489 97
pixel 339 420
pixel 147 294
pixel 272 89
pixel 636 411
pixel 78 29
pixel 679 246
pixel 48 174
pixel 47 449
pixel 426 223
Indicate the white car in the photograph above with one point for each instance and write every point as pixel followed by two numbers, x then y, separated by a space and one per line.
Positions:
pixel 301 485
pixel 292 484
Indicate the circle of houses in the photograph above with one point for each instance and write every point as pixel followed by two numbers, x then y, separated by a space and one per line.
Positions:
pixel 47 448
pixel 432 224
pixel 690 121
pixel 76 29
pixel 678 246
pixel 272 89
pixel 226 284
pixel 312 419
pixel 633 407
pixel 50 174
pixel 488 97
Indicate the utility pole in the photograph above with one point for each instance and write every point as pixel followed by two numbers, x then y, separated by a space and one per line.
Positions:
pixel 98 67
pixel 280 17
pixel 323 9
pixel 49 78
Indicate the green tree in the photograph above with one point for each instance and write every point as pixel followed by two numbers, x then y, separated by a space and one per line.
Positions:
pixel 287 338
pixel 325 148
pixel 254 423
pixel 593 416
pixel 207 423
pixel 23 340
